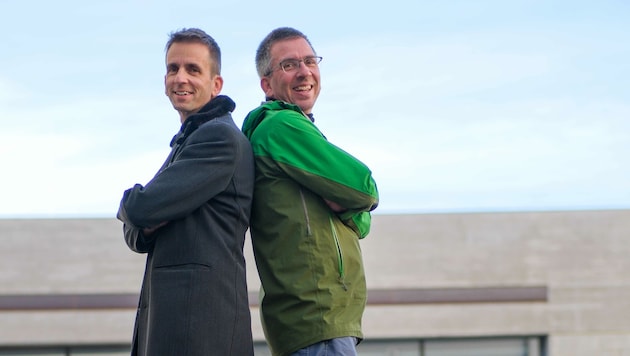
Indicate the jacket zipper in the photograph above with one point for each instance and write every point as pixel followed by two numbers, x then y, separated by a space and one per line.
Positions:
pixel 306 217
pixel 342 274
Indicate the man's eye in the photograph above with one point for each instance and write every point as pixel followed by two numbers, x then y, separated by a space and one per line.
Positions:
pixel 310 61
pixel 289 65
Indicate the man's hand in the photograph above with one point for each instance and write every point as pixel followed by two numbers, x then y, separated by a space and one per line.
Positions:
pixel 334 206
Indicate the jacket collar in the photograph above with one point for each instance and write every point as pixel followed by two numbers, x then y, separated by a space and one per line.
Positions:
pixel 218 106
pixel 256 116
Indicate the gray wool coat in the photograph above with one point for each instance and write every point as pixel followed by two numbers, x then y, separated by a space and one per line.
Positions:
pixel 194 293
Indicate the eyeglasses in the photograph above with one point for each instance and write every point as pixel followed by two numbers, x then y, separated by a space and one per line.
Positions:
pixel 290 65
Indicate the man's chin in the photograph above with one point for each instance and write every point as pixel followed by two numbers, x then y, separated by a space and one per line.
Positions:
pixel 305 105
pixel 181 108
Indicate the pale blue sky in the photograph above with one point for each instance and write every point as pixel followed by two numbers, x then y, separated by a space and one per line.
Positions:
pixel 455 105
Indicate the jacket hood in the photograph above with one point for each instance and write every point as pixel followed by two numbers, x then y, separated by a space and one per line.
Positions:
pixel 256 116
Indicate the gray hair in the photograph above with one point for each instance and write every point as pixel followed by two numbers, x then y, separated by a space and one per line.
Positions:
pixel 263 54
pixel 199 36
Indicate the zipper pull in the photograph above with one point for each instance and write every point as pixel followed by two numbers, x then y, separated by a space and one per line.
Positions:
pixel 343 284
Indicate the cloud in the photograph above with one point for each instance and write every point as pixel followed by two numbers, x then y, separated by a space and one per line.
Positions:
pixel 464 123
pixel 42 178
pixel 77 156
pixel 492 105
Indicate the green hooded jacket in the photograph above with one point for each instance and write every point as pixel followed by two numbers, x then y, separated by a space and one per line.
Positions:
pixel 308 257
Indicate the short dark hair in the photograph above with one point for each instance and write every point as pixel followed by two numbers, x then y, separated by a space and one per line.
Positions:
pixel 199 36
pixel 263 54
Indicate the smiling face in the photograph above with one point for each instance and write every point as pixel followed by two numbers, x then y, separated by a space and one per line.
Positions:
pixel 301 86
pixel 190 82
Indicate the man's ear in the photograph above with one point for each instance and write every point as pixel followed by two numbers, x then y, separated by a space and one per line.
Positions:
pixel 218 85
pixel 265 85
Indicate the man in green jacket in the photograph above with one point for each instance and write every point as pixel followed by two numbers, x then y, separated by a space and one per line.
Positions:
pixel 312 204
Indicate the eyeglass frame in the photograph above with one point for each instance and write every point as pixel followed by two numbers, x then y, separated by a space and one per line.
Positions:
pixel 318 60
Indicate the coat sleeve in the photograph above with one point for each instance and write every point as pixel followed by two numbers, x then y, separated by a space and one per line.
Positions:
pixel 200 170
pixel 300 150
pixel 136 240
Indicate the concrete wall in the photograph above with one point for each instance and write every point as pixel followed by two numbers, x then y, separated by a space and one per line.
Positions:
pixel 582 258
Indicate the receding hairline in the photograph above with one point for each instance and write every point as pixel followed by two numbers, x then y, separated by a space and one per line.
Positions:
pixel 280 34
pixel 196 35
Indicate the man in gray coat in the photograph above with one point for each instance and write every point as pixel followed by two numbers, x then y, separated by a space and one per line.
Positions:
pixel 191 218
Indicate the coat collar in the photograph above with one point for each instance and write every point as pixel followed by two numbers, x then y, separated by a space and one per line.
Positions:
pixel 218 106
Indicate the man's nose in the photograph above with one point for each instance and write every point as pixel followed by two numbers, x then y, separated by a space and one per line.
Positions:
pixel 180 76
pixel 303 70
